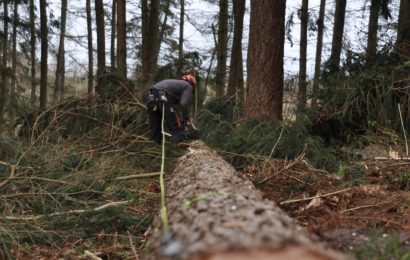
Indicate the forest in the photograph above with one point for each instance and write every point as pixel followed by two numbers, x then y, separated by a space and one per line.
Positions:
pixel 298 119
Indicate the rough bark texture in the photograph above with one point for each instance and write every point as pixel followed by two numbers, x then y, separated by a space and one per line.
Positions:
pixel 181 30
pixel 337 39
pixel 221 49
pixel 113 33
pixel 403 32
pixel 372 30
pixel 265 59
pixel 44 54
pixel 99 16
pixel 150 38
pixel 33 52
pixel 235 81
pixel 303 54
pixel 215 213
pixel 14 60
pixel 60 75
pixel 122 39
pixel 3 84
pixel 90 49
pixel 319 46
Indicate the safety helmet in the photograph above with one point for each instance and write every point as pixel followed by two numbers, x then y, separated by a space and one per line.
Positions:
pixel 190 79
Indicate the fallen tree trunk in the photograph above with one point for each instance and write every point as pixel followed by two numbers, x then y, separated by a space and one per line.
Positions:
pixel 215 213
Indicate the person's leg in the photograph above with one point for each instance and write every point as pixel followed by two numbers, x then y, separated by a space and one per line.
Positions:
pixel 154 115
pixel 173 124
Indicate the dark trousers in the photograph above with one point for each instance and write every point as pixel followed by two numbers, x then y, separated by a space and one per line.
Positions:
pixel 172 124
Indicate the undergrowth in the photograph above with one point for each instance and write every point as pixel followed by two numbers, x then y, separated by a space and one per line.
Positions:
pixel 65 165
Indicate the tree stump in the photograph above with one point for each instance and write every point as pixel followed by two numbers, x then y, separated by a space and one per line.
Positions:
pixel 215 213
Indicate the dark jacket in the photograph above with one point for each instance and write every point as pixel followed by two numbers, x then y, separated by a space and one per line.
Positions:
pixel 178 92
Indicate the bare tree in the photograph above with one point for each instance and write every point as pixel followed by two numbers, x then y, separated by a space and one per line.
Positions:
pixel 90 49
pixel 44 54
pixel 319 46
pixel 264 97
pixel 303 54
pixel 122 38
pixel 99 16
pixel 235 80
pixel 403 31
pixel 113 32
pixel 60 70
pixel 14 59
pixel 221 49
pixel 337 39
pixel 181 30
pixel 33 52
pixel 4 89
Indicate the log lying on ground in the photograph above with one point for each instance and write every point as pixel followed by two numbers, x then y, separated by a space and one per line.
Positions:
pixel 214 213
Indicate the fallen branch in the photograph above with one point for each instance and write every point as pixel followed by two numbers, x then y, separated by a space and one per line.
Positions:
pixel 76 211
pixel 287 167
pixel 91 255
pixel 362 207
pixel 137 176
pixel 134 251
pixel 314 197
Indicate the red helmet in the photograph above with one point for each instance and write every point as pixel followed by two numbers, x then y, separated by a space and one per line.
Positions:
pixel 190 79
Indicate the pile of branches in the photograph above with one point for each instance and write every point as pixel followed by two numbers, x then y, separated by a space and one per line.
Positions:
pixel 68 174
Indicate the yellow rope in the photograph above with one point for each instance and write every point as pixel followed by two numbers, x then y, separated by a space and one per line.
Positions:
pixel 164 215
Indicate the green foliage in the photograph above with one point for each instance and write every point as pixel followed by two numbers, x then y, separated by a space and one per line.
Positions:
pixel 382 247
pixel 244 142
pixel 112 87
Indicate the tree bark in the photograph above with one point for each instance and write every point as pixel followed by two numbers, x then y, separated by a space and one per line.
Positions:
pixel 33 52
pixel 372 30
pixel 44 54
pixel 99 16
pixel 235 80
pixel 181 30
pixel 402 46
pixel 303 54
pixel 215 213
pixel 113 32
pixel 221 49
pixel 265 60
pixel 337 39
pixel 14 60
pixel 319 46
pixel 4 94
pixel 90 49
pixel 122 39
pixel 150 39
pixel 60 75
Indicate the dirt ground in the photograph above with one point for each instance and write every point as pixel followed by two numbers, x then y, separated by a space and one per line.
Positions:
pixel 367 197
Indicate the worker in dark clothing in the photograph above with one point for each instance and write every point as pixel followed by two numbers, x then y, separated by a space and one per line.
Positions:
pixel 172 96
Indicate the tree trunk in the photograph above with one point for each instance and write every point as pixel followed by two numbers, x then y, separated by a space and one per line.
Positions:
pixel 59 80
pixel 14 61
pixel 221 49
pixel 4 94
pixel 150 38
pixel 403 32
pixel 181 31
pixel 99 17
pixel 44 54
pixel 372 30
pixel 235 80
pixel 265 60
pixel 337 39
pixel 319 46
pixel 122 39
pixel 113 32
pixel 215 213
pixel 303 54
pixel 33 52
pixel 90 49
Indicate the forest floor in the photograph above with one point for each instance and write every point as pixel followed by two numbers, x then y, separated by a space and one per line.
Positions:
pixel 363 210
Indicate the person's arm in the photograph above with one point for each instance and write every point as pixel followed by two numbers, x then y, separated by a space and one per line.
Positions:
pixel 185 101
